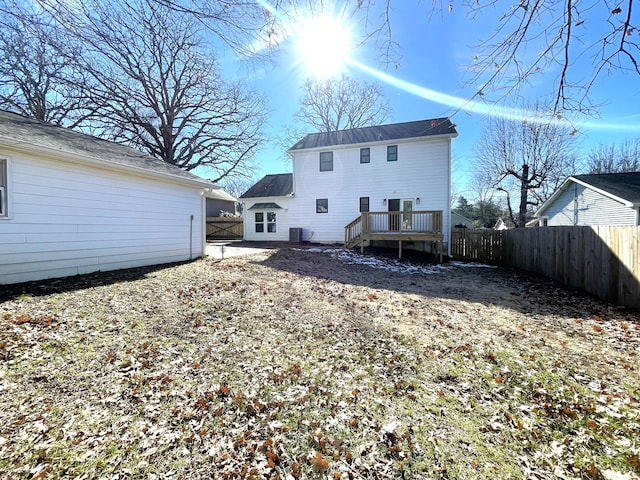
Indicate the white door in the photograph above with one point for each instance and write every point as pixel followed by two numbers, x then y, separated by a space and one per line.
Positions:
pixel 407 216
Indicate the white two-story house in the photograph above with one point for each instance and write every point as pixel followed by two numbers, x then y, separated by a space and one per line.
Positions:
pixel 342 177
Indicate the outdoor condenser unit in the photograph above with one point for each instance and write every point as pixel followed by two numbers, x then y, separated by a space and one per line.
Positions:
pixel 295 235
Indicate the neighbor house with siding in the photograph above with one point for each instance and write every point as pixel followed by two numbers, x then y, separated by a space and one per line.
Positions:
pixel 71 203
pixel 597 199
pixel 338 176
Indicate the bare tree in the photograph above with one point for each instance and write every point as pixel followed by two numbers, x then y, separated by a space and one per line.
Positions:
pixel 578 42
pixel 246 26
pixel 157 88
pixel 525 160
pixel 527 38
pixel 36 79
pixel 342 103
pixel 615 158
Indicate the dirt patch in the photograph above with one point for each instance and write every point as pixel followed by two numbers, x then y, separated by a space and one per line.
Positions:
pixel 299 364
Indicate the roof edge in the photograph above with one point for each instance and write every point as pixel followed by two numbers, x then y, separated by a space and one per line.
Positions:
pixel 561 188
pixel 377 142
pixel 66 156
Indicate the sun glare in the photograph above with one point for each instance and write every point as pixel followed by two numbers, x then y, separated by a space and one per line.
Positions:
pixel 324 45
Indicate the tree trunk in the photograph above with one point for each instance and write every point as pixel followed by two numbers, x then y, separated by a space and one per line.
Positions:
pixel 524 190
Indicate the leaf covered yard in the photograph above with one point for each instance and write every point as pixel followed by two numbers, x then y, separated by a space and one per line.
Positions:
pixel 305 364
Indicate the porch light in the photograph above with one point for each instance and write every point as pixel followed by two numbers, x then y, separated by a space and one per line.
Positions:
pixel 418 201
pixel 384 201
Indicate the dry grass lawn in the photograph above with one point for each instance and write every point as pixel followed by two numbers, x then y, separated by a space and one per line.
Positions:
pixel 296 364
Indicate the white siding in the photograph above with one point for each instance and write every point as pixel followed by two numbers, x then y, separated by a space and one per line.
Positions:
pixel 421 171
pixel 578 205
pixel 283 219
pixel 67 219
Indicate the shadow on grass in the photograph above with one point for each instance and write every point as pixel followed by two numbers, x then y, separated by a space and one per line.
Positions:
pixel 505 287
pixel 78 282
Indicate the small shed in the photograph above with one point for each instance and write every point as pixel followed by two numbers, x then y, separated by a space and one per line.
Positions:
pixel 72 203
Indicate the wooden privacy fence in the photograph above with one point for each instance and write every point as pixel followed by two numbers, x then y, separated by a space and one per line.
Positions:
pixel 224 228
pixel 480 245
pixel 603 261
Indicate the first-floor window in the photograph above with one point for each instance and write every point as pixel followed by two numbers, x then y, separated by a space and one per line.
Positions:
pixel 259 222
pixel 364 204
pixel 322 205
pixel 3 187
pixel 270 221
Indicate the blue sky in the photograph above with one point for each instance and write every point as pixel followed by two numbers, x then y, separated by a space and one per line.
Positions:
pixel 435 50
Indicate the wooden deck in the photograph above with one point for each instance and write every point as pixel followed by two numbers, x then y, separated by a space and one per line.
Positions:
pixel 418 226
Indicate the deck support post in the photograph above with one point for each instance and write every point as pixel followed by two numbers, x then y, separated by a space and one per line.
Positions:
pixel 399 249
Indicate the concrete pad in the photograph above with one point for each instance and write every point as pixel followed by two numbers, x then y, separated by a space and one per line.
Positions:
pixel 220 251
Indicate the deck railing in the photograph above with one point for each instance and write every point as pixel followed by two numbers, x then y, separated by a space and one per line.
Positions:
pixel 427 221
pixel 352 232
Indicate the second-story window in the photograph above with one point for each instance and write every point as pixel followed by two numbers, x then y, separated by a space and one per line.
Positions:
pixel 365 155
pixel 326 161
pixel 392 153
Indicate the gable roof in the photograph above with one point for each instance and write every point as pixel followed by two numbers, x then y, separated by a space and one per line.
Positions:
pixel 622 187
pixel 380 133
pixel 279 185
pixel 33 135
pixel 625 186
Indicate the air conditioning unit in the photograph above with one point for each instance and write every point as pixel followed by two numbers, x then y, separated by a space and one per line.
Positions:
pixel 295 235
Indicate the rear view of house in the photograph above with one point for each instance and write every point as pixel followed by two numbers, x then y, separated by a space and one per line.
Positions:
pixel 598 199
pixel 338 176
pixel 71 203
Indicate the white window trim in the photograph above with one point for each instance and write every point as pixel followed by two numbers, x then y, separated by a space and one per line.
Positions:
pixel 3 201
pixel 4 190
pixel 317 206
pixel 265 222
pixel 274 223
pixel 326 161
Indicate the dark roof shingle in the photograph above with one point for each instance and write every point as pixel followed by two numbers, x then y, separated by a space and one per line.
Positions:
pixel 279 185
pixel 395 131
pixel 621 185
pixel 20 130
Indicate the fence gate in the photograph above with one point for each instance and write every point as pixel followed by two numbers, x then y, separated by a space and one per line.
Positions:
pixel 224 228
pixel 480 245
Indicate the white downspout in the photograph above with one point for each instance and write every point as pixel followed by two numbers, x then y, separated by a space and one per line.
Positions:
pixel 203 225
pixel 190 237
pixel 447 212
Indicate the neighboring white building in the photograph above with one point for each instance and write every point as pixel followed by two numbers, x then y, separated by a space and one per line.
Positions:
pixel 71 203
pixel 219 202
pixel 336 176
pixel 597 199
